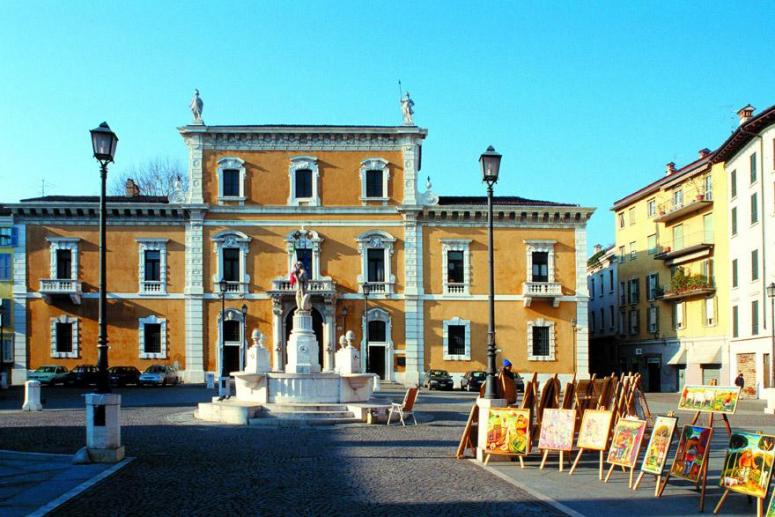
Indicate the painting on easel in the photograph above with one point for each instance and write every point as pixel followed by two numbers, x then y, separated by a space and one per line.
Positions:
pixel 771 506
pixel 748 464
pixel 508 431
pixel 557 429
pixel 625 444
pixel 691 453
pixel 594 430
pixel 712 399
pixel 659 445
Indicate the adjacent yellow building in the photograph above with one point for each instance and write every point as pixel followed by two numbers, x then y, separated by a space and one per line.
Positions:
pixel 7 243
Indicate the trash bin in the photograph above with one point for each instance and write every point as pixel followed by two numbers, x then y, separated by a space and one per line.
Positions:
pixel 210 379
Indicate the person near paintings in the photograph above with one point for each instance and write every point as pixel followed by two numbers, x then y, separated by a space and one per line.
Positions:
pixel 740 380
pixel 506 370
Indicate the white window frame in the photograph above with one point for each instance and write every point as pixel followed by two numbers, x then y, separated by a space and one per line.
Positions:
pixel 463 245
pixel 152 319
pixel 231 239
pixel 6 347
pixel 63 243
pixel 300 163
pixel 679 315
pixel 633 250
pixel 378 314
pixel 651 292
pixel 445 340
pixel 653 319
pixel 308 239
pixel 709 316
pixel 634 297
pixel 231 163
pixel 651 207
pixel 376 239
pixel 547 246
pixel 375 164
pixel 552 340
pixel 73 354
pixel 150 288
pixel 634 323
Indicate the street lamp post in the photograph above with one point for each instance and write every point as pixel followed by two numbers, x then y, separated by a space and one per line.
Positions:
pixel 104 143
pixel 223 379
pixel 243 351
pixel 490 162
pixel 366 289
pixel 771 294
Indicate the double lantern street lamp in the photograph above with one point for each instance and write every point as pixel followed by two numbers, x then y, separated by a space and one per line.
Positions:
pixel 366 289
pixel 104 143
pixel 490 162
pixel 771 295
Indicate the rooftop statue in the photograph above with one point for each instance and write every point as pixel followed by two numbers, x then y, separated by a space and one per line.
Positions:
pixel 407 109
pixel 196 107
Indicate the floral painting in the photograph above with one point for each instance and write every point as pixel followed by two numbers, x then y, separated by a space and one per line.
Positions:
pixel 595 428
pixel 625 444
pixel 748 464
pixel 508 431
pixel 557 429
pixel 712 399
pixel 692 452
pixel 659 445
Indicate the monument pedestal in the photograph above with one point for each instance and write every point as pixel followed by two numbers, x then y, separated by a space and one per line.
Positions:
pixel 32 396
pixel 302 345
pixel 103 428
pixel 484 416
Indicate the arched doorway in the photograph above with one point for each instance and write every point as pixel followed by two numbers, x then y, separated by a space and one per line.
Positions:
pixel 317 327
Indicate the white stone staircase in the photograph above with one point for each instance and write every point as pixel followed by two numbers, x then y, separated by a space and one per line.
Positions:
pixel 308 414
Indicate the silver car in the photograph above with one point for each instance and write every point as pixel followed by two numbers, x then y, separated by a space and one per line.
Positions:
pixel 159 375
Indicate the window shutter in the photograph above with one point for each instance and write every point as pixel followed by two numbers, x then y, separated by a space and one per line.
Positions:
pixel 14 236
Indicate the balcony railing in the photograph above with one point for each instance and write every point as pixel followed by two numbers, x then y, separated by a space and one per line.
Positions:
pixel 699 244
pixel 323 286
pixel 693 199
pixel 689 286
pixel 152 287
pixel 550 290
pixel 61 286
pixel 455 288
pixel 232 288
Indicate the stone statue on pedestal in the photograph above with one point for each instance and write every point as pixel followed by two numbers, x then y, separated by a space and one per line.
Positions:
pixel 407 109
pixel 299 282
pixel 196 107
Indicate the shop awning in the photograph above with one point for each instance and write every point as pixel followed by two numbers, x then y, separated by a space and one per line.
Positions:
pixel 679 358
pixel 706 354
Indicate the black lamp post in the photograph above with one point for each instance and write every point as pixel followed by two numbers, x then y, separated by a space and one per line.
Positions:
pixel 366 289
pixel 104 143
pixel 490 162
pixel 244 336
pixel 771 294
pixel 222 379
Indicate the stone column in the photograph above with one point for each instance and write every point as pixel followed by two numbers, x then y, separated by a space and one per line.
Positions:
pixel 582 305
pixel 329 338
pixel 413 301
pixel 277 336
pixel 194 300
pixel 19 370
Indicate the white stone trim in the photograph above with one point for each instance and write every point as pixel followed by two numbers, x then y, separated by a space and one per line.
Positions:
pixel 375 164
pixel 148 288
pixel 410 147
pixel 152 319
pixel 463 245
pixel 234 164
pixel 445 340
pixel 301 163
pixel 73 354
pixel 19 371
pixel 552 340
pixel 378 314
pixel 63 243
pixel 195 144
pixel 548 247
pixel 308 239
pixel 376 239
pixel 230 315
pixel 231 239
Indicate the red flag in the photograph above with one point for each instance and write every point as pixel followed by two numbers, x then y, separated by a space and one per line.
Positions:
pixel 293 279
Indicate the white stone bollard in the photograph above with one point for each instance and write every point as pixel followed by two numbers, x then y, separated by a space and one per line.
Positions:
pixel 103 427
pixel 32 396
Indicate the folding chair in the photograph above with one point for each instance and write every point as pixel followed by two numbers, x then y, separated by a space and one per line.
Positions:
pixel 405 408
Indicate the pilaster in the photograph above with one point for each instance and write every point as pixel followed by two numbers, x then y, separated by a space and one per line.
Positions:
pixel 20 364
pixel 195 171
pixel 411 151
pixel 194 291
pixel 413 303
pixel 582 303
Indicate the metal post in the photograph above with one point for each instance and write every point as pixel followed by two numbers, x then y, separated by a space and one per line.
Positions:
pixel 490 391
pixel 222 391
pixel 103 385
pixel 366 323
pixel 772 351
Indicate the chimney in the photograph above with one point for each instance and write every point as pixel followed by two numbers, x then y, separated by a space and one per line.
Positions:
pixel 598 248
pixel 704 152
pixel 745 114
pixel 669 168
pixel 132 190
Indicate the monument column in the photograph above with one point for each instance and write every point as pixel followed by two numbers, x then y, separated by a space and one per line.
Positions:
pixel 329 337
pixel 277 335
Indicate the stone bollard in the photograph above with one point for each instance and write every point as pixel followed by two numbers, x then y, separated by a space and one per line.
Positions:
pixel 103 427
pixel 32 396
pixel 210 379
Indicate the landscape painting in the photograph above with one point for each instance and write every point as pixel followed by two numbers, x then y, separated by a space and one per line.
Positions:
pixel 659 445
pixel 594 431
pixel 625 444
pixel 692 452
pixel 557 429
pixel 508 431
pixel 711 399
pixel 748 464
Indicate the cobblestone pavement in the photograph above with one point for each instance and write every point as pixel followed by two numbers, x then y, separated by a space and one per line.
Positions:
pixel 183 466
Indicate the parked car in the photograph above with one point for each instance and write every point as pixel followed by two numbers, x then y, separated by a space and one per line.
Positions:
pixel 520 383
pixel 82 375
pixel 123 375
pixel 473 380
pixel 160 375
pixel 48 374
pixel 438 380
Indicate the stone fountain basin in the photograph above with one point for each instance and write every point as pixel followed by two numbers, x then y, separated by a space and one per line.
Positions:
pixel 288 388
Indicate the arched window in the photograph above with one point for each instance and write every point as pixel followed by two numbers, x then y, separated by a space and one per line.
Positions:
pixel 231 248
pixel 376 249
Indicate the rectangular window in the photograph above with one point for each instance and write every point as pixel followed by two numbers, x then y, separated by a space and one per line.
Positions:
pixel 735 322
pixel 734 273
pixel 710 312
pixel 634 323
pixel 64 264
pixel 455 267
pixel 5 312
pixel 231 331
pixel 303 183
pixel 633 251
pixel 754 208
pixel 592 289
pixel 376 264
pixel 653 320
pixel 622 293
pixel 602 319
pixel 678 237
pixel 456 339
pixel 592 321
pixel 304 255
pixel 7 236
pixel 540 341
pixel 634 290
pixel 611 280
pixel 152 338
pixel 754 265
pixel 707 228
pixel 540 266
pixel 374 184
pixel 5 266
pixel 152 265
pixel 733 220
pixel 707 271
pixel 678 315
pixel 755 318
pixel 611 316
pixel 733 183
pixel 377 332
pixel 231 271
pixel 678 198
pixel 620 216
pixel 602 284
pixel 653 280
pixel 64 337
pixel 753 168
pixel 622 321
pixel 631 214
pixel 651 207
pixel 651 243
pixel 231 183
pixel 621 253
pixel 707 184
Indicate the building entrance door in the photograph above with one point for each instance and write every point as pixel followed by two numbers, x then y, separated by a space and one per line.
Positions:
pixel 377 360
pixel 711 373
pixel 231 358
pixel 655 375
pixel 317 327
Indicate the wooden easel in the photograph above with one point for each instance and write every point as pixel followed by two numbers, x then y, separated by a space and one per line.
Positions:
pixel 703 477
pixel 759 500
pixel 624 467
pixel 470 434
pixel 600 451
pixel 658 477
pixel 562 457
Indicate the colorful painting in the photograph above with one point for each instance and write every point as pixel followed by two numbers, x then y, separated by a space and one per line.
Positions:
pixel 748 465
pixel 771 507
pixel 557 429
pixel 711 399
pixel 594 431
pixel 692 452
pixel 508 431
pixel 659 445
pixel 625 445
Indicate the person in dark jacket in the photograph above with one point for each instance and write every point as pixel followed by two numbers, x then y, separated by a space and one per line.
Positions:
pixel 740 380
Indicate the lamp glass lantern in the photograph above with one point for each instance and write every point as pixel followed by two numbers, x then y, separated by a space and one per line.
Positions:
pixel 771 290
pixel 104 142
pixel 222 284
pixel 490 161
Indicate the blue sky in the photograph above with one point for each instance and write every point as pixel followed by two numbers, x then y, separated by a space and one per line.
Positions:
pixel 585 102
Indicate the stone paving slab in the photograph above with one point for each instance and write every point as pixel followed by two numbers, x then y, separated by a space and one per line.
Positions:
pixel 35 483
